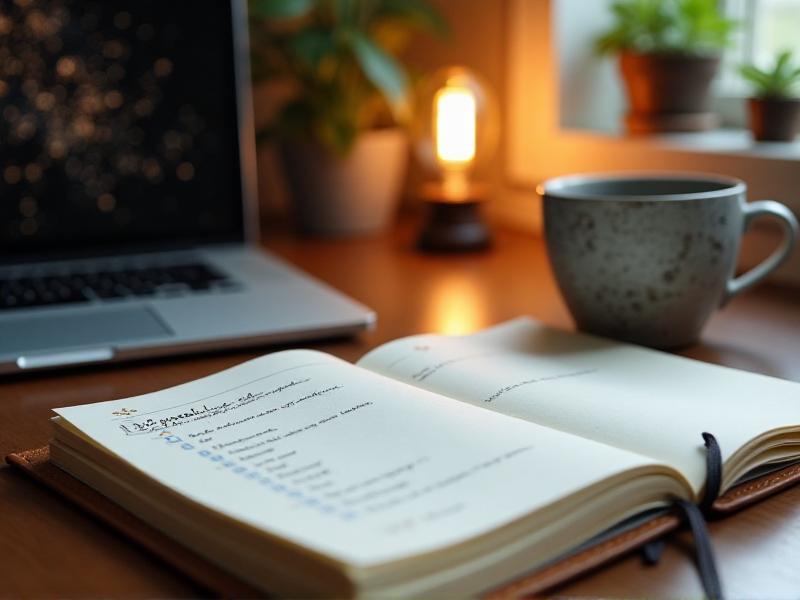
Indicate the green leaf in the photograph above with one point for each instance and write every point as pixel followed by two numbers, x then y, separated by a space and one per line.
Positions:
pixel 758 78
pixel 338 135
pixel 281 9
pixel 782 62
pixel 382 71
pixel 345 11
pixel 680 26
pixel 311 46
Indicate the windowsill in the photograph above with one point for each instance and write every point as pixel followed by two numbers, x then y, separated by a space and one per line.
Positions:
pixel 729 142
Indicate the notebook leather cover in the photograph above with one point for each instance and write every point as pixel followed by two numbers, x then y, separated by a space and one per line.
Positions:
pixel 36 463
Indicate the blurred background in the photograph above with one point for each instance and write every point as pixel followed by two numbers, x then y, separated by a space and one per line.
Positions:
pixel 561 102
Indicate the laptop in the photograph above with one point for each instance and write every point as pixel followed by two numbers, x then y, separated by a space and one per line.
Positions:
pixel 128 224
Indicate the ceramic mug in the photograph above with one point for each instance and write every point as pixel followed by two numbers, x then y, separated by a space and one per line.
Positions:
pixel 647 258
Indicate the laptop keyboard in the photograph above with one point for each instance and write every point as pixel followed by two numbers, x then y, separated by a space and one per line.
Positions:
pixel 85 285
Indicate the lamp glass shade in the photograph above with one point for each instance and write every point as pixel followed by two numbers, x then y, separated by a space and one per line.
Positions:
pixel 455 126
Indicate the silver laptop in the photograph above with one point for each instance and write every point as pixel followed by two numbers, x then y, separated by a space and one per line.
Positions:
pixel 128 223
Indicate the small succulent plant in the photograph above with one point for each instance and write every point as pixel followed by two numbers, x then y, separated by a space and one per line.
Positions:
pixel 778 82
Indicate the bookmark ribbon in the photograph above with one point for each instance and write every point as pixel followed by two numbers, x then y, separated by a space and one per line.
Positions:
pixel 695 516
pixel 704 551
pixel 713 474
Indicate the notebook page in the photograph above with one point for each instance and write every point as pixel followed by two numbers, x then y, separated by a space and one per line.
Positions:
pixel 646 401
pixel 348 463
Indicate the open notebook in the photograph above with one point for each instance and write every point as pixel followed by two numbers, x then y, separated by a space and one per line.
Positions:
pixel 435 465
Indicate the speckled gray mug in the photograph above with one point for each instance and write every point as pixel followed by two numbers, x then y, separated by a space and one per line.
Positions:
pixel 647 258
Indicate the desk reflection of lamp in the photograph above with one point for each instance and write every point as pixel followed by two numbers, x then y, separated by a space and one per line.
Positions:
pixel 456 131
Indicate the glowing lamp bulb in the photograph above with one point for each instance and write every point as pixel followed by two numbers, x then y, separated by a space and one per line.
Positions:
pixel 455 115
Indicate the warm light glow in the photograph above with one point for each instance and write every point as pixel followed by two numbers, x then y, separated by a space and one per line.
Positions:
pixel 455 116
pixel 457 305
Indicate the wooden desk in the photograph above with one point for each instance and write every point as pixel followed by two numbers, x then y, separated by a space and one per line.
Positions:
pixel 49 548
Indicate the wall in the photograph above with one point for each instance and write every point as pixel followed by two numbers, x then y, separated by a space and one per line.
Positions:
pixel 589 87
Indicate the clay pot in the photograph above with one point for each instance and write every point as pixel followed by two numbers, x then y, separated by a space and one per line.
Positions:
pixel 774 119
pixel 668 92
pixel 356 194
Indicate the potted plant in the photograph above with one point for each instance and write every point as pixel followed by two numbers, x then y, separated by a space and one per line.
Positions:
pixel 775 107
pixel 340 129
pixel 669 52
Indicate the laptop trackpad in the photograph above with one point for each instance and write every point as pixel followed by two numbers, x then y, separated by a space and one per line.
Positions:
pixel 100 328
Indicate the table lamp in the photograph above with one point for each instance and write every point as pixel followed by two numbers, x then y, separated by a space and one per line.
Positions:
pixel 455 132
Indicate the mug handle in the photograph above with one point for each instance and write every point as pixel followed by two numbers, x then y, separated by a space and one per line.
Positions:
pixel 753 210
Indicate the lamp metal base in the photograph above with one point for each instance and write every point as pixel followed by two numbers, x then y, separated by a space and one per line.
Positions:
pixel 454 227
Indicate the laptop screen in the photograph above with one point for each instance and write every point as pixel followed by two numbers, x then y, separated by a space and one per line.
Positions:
pixel 118 125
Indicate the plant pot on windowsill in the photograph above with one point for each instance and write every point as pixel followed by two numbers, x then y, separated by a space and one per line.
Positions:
pixel 354 194
pixel 774 119
pixel 668 92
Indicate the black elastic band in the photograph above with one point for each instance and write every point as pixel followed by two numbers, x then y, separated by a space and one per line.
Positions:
pixel 713 473
pixel 695 517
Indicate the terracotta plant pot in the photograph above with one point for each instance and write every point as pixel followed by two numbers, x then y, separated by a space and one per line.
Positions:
pixel 356 194
pixel 668 92
pixel 773 119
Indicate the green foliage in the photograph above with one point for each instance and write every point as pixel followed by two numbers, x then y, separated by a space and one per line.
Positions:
pixel 339 61
pixel 666 27
pixel 779 82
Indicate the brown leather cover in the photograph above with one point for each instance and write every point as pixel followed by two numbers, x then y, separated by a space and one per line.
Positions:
pixel 36 463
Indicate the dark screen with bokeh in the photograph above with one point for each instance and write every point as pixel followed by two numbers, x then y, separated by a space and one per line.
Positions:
pixel 118 125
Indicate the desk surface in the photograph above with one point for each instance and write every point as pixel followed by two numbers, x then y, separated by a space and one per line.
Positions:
pixel 49 548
